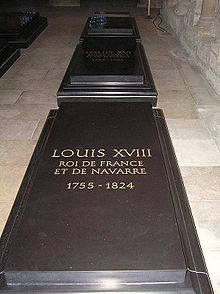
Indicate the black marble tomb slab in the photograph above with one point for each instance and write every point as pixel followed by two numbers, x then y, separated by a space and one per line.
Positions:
pixel 104 80
pixel 110 25
pixel 84 221
pixel 21 28
pixel 8 55
pixel 110 32
pixel 105 72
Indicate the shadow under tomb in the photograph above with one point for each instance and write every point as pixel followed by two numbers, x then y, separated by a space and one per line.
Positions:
pixel 8 55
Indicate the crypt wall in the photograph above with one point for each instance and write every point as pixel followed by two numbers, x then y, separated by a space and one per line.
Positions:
pixel 197 25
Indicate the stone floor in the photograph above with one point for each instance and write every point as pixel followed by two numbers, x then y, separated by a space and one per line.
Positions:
pixel 192 109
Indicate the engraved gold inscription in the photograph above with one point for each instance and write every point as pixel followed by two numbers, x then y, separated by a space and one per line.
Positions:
pixel 92 185
pixel 91 162
pixel 98 153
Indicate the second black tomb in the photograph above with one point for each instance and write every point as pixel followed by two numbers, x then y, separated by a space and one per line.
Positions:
pixel 117 31
pixel 108 79
pixel 21 28
pixel 109 64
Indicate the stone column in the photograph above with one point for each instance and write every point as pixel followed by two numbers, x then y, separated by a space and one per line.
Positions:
pixel 206 24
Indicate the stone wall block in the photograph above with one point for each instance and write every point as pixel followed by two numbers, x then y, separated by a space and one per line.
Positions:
pixel 203 52
pixel 198 6
pixel 214 64
pixel 214 80
pixel 200 36
pixel 182 8
pixel 216 50
pixel 190 39
pixel 172 3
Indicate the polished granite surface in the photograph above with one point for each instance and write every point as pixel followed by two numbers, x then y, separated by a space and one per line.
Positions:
pixel 192 109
